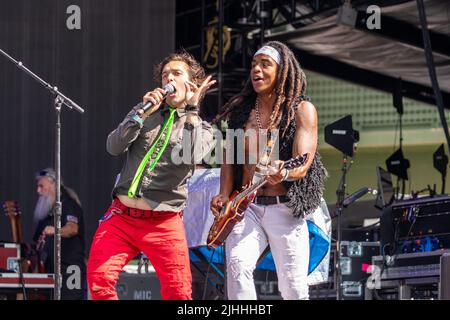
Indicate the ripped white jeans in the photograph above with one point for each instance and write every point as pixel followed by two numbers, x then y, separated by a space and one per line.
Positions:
pixel 288 238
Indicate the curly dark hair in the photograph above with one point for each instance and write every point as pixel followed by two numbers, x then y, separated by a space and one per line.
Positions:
pixel 196 71
pixel 290 88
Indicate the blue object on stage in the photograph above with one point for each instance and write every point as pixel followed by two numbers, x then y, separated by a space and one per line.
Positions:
pixel 319 245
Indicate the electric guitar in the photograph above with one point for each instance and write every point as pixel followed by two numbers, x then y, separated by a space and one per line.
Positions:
pixel 234 211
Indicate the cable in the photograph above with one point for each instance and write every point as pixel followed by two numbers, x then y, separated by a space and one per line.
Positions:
pixel 412 225
pixel 266 282
pixel 395 135
pixel 22 280
pixel 207 273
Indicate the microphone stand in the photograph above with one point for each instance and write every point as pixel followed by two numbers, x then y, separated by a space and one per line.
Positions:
pixel 59 101
pixel 340 192
pixel 400 117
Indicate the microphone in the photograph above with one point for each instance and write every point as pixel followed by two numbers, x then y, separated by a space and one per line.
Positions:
pixel 356 195
pixel 168 88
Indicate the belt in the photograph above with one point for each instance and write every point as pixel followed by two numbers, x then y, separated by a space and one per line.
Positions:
pixel 269 200
pixel 139 213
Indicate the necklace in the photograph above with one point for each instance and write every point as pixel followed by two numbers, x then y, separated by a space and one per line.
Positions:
pixel 258 119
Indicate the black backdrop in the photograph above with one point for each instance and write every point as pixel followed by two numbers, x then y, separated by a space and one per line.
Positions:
pixel 105 67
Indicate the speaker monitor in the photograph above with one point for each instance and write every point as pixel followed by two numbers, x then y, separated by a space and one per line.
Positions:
pixel 138 286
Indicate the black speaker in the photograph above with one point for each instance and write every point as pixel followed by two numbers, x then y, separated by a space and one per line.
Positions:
pixel 138 286
pixel 341 135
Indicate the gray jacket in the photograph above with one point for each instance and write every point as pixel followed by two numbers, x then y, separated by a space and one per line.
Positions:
pixel 164 188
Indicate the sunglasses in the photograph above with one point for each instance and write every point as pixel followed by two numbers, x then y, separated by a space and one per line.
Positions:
pixel 45 173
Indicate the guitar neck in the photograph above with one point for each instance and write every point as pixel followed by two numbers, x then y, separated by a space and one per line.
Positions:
pixel 255 186
pixel 252 188
pixel 289 164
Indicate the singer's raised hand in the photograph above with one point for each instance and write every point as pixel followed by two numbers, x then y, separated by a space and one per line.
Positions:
pixel 194 93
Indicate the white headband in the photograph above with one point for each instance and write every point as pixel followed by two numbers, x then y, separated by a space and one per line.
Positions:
pixel 271 52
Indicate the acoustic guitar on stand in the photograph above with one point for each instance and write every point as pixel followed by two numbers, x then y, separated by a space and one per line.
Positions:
pixel 12 210
pixel 31 260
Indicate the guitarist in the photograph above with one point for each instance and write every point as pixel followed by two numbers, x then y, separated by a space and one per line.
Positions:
pixel 273 97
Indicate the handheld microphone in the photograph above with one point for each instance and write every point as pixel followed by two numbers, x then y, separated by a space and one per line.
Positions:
pixel 356 195
pixel 168 88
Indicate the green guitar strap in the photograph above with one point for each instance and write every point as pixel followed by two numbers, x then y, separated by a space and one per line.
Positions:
pixel 166 127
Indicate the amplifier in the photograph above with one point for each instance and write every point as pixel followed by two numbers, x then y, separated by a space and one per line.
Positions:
pixel 28 280
pixel 361 234
pixel 9 256
pixel 419 225
pixel 421 275
pixel 410 265
pixel 138 286
pixel 37 286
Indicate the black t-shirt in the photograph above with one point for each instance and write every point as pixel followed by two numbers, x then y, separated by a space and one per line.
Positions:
pixel 72 249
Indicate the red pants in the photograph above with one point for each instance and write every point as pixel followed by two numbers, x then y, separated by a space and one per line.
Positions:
pixel 121 237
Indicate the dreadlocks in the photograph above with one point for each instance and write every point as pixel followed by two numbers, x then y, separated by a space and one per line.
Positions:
pixel 290 87
pixel 305 194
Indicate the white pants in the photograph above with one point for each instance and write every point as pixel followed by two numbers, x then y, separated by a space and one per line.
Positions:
pixel 288 238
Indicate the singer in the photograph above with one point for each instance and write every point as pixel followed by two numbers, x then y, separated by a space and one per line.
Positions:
pixel 150 192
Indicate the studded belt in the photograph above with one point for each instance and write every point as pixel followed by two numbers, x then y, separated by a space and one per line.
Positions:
pixel 139 213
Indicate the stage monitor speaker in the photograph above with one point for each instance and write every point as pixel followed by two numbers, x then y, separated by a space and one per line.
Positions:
pixel 138 286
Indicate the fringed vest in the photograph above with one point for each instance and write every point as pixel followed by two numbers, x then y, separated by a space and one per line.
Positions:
pixel 305 194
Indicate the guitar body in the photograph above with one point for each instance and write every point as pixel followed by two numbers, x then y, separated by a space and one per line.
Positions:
pixel 234 211
pixel 12 210
pixel 229 217
pixel 32 260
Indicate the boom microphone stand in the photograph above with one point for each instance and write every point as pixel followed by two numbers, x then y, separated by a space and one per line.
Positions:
pixel 340 193
pixel 340 134
pixel 59 101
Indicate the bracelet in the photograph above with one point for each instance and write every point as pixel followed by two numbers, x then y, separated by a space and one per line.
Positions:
pixel 191 108
pixel 286 176
pixel 138 119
